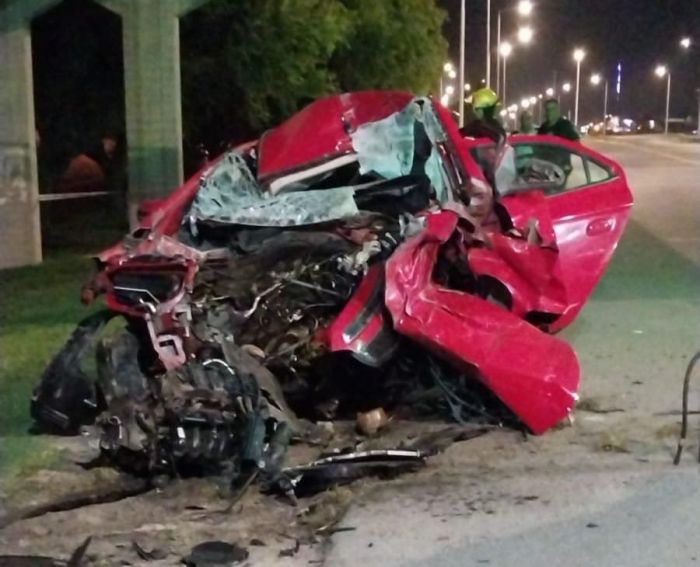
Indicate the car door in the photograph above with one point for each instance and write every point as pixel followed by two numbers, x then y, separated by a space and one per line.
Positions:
pixel 589 209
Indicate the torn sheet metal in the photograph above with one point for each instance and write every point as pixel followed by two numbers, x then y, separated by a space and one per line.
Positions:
pixel 344 468
pixel 534 374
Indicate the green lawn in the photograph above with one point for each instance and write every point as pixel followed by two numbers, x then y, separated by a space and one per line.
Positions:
pixel 40 307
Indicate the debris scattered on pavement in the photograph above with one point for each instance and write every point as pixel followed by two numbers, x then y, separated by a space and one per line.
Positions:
pixel 216 554
pixel 370 422
pixel 148 554
pixel 75 559
pixel 291 551
pixel 344 468
pixel 596 405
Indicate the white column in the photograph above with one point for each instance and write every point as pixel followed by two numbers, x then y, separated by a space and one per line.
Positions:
pixel 20 222
pixel 151 40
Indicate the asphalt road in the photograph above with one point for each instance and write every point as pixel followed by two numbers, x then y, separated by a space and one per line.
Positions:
pixel 602 492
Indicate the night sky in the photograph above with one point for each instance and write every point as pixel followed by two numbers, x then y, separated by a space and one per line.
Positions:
pixel 638 33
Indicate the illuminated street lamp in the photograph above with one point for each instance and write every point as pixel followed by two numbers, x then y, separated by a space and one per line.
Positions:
pixel 524 9
pixel 579 55
pixel 504 51
pixel 525 35
pixel 549 92
pixel 595 81
pixel 686 42
pixel 449 70
pixel 525 103
pixel 661 72
pixel 449 90
pixel 533 100
pixel 566 88
pixel 467 87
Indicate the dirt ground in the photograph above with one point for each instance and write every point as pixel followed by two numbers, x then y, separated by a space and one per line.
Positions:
pixel 183 513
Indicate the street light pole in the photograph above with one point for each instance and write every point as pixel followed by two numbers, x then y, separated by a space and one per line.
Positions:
pixel 460 91
pixel 504 50
pixel 595 80
pixel 488 44
pixel 605 110
pixel 661 72
pixel 578 86
pixel 505 80
pixel 668 101
pixel 579 54
pixel 524 9
pixel 505 74
pixel 498 55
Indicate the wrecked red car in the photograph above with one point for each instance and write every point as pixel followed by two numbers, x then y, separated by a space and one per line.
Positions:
pixel 350 256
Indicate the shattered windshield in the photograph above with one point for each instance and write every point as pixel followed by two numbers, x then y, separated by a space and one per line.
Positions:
pixel 404 147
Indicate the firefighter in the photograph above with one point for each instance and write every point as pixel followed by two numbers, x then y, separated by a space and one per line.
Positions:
pixel 485 105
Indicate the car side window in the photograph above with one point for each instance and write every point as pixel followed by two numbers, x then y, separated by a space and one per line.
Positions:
pixel 577 174
pixel 597 173
pixel 554 169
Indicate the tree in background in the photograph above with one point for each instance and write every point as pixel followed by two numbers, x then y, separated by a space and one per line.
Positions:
pixel 248 64
pixel 393 44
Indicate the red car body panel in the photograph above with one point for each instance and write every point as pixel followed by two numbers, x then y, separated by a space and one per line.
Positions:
pixel 588 223
pixel 536 375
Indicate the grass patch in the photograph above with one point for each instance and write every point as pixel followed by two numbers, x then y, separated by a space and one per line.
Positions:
pixel 23 455
pixel 40 308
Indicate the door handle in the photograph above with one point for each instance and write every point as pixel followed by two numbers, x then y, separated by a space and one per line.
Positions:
pixel 600 226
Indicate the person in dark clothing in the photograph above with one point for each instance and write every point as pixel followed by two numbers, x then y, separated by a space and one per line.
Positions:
pixel 555 124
